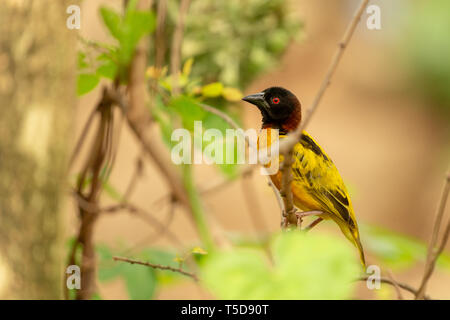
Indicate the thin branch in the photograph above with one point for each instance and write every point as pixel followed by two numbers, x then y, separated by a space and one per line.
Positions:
pixel 203 189
pixel 286 146
pixel 82 137
pixel 144 215
pixel 177 41
pixel 396 286
pixel 433 253
pixel 158 266
pixel 160 43
pixel 163 229
pixel 401 285
pixel 134 178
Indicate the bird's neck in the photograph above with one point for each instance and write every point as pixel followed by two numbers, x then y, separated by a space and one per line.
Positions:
pixel 284 125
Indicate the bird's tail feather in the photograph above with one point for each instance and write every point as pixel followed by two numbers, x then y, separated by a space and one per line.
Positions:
pixel 352 235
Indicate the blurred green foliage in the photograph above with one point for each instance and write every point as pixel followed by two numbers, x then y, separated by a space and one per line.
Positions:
pixel 235 40
pixel 141 281
pixel 296 266
pixel 396 250
pixel 429 49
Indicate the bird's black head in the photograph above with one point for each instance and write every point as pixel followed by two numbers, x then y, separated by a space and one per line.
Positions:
pixel 279 107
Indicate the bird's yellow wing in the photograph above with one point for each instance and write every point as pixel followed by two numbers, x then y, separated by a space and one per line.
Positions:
pixel 317 185
pixel 316 176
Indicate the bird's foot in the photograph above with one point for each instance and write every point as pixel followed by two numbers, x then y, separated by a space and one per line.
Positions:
pixel 285 217
pixel 313 224
pixel 301 215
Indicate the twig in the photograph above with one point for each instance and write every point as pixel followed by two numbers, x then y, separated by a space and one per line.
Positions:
pixel 433 253
pixel 177 41
pixel 160 44
pixel 401 285
pixel 162 230
pixel 82 137
pixel 144 215
pixel 158 266
pixel 134 178
pixel 207 189
pixel 396 286
pixel 286 146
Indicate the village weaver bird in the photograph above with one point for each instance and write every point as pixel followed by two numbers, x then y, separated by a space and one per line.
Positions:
pixel 317 186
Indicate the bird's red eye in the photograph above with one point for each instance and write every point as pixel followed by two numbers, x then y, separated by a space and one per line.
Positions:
pixel 276 100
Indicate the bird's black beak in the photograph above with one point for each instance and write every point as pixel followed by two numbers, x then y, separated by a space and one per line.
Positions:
pixel 258 100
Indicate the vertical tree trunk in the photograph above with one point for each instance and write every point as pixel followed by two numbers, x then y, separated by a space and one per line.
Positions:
pixel 37 65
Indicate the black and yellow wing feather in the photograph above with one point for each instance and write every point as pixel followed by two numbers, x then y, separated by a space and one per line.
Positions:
pixel 317 185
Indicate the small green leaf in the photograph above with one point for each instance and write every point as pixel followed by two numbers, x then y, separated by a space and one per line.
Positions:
pixel 140 281
pixel 212 90
pixel 232 94
pixel 199 250
pixel 82 64
pixel 112 21
pixel 188 109
pixel 136 24
pixel 86 82
pixel 96 296
pixel 187 67
pixel 107 70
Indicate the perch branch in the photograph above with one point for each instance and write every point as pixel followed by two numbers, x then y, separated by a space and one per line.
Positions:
pixel 396 286
pixel 401 285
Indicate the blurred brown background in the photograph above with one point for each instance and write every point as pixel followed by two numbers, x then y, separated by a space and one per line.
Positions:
pixel 390 145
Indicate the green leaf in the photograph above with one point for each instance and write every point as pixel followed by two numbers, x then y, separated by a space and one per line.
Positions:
pixel 305 266
pixel 140 281
pixel 199 250
pixel 86 82
pixel 82 64
pixel 396 250
pixel 107 70
pixel 187 67
pixel 96 296
pixel 232 94
pixel 136 24
pixel 108 269
pixel 112 21
pixel 212 90
pixel 188 109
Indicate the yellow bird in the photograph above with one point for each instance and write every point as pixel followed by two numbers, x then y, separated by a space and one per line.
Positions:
pixel 317 184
